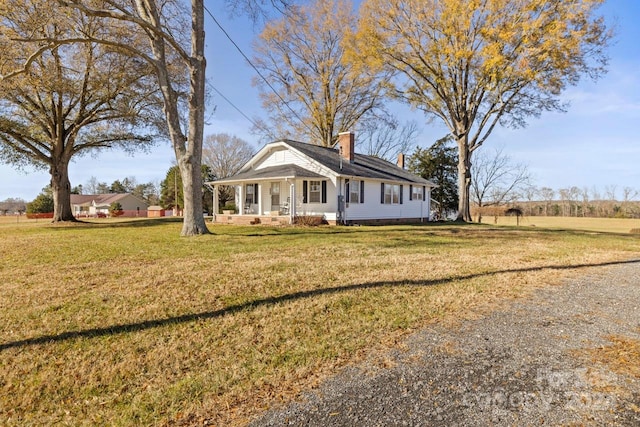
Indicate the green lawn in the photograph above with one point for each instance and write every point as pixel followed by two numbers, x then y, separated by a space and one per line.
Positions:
pixel 607 225
pixel 126 323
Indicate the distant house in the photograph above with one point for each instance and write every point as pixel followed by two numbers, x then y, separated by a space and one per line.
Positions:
pixel 97 205
pixel 286 180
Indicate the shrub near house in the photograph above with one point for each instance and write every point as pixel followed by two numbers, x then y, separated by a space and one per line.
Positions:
pixel 115 209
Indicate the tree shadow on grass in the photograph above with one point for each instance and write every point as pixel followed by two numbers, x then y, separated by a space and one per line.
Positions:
pixel 250 305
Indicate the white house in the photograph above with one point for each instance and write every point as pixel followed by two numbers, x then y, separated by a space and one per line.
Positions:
pixel 288 179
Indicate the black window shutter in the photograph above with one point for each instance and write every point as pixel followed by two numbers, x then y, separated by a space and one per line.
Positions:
pixel 361 191
pixel 305 184
pixel 255 193
pixel 424 192
pixel 382 192
pixel 347 190
pixel 410 192
pixel 324 191
pixel 401 194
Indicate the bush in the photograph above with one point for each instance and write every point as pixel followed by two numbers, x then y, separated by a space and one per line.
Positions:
pixel 115 209
pixel 43 203
pixel 308 220
pixel 229 207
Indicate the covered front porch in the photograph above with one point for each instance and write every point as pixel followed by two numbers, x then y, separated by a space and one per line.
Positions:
pixel 271 196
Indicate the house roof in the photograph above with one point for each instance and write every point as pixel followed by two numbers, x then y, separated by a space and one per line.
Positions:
pixel 363 166
pixel 98 199
pixel 283 171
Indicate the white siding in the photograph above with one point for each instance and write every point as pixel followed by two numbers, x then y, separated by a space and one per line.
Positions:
pixel 328 209
pixel 284 156
pixel 372 208
pixel 277 158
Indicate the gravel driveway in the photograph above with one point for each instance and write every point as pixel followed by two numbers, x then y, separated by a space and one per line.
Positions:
pixel 531 363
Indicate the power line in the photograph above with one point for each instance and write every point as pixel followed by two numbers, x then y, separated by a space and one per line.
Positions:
pixel 257 72
pixel 238 109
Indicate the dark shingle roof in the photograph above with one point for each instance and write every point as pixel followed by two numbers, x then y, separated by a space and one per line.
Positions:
pixel 362 166
pixel 283 171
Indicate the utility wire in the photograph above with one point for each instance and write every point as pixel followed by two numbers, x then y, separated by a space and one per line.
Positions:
pixel 256 70
pixel 238 109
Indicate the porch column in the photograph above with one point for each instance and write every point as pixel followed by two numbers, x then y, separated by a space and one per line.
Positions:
pixel 292 201
pixel 260 199
pixel 215 202
pixel 241 201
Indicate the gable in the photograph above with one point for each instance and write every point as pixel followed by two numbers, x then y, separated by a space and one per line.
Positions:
pixel 279 154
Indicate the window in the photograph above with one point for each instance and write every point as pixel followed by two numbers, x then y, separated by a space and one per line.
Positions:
pixel 390 194
pixel 355 191
pixel 315 191
pixel 251 194
pixel 387 194
pixel 275 195
pixel 417 192
pixel 395 199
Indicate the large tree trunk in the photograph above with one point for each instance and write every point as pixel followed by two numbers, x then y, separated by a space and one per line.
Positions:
pixel 190 163
pixel 464 180
pixel 61 189
pixel 188 149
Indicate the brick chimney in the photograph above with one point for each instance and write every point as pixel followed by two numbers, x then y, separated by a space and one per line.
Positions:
pixel 346 140
pixel 401 161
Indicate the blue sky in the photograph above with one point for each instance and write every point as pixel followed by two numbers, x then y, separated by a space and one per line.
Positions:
pixel 594 144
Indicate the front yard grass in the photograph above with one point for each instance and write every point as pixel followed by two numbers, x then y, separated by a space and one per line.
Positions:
pixel 129 324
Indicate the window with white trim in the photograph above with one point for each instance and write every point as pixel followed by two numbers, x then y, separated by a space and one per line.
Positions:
pixel 355 191
pixel 417 192
pixel 391 194
pixel 315 190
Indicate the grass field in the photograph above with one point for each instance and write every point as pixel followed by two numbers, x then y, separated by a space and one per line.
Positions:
pixel 607 225
pixel 126 323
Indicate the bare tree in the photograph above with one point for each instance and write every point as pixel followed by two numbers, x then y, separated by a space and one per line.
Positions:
pixel 586 208
pixel 318 93
pixel 496 180
pixel 179 66
pixel 530 192
pixel 563 193
pixel 225 154
pixel 386 140
pixel 548 195
pixel 477 64
pixel 628 194
pixel 574 197
pixel 176 59
pixel 596 196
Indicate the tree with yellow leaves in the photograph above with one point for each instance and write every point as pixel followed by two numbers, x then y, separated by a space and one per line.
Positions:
pixel 478 63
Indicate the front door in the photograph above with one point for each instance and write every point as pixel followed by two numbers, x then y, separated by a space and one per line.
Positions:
pixel 275 196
